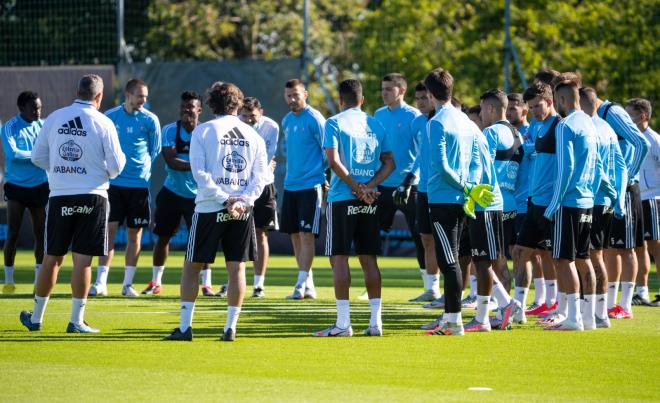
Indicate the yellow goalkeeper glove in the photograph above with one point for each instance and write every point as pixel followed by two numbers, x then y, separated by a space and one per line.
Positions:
pixel 481 194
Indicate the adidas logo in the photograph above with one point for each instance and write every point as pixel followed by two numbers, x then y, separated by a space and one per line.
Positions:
pixel 73 127
pixel 647 233
pixel 234 138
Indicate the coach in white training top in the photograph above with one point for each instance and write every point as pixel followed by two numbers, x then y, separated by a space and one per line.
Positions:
pixel 228 161
pixel 79 148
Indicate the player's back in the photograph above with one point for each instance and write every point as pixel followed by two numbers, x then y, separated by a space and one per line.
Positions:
pixel 78 159
pixel 359 140
pixel 578 132
pixel 606 141
pixel 489 174
pixel 506 154
pixel 451 145
pixel 230 149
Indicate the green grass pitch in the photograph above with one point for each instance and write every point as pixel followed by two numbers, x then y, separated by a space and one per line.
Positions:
pixel 275 358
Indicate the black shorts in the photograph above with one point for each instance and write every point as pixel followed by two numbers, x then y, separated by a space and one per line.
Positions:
pixel 517 226
pixel 600 228
pixel 265 209
pixel 301 211
pixel 651 215
pixel 79 221
pixel 208 230
pixel 130 204
pixel 447 221
pixel 387 209
pixel 423 221
pixel 628 232
pixel 508 229
pixel 536 230
pixel 486 235
pixel 352 222
pixel 34 197
pixel 464 248
pixel 571 233
pixel 170 208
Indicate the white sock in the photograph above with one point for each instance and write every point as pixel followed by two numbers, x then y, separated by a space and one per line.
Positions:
pixel 78 310
pixel 425 278
pixel 627 288
pixel 612 293
pixel 9 274
pixel 601 306
pixel 482 308
pixel 643 291
pixel 573 306
pixel 302 278
pixel 561 303
pixel 37 268
pixel 102 275
pixel 539 290
pixel 258 281
pixel 521 295
pixel 39 308
pixel 473 285
pixel 232 317
pixel 375 307
pixel 500 294
pixel 343 314
pixel 309 283
pixel 187 311
pixel 157 274
pixel 455 318
pixel 206 278
pixel 589 311
pixel 435 282
pixel 129 273
pixel 550 292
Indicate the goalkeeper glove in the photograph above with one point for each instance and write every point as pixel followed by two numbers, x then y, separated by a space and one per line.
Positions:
pixel 402 193
pixel 480 193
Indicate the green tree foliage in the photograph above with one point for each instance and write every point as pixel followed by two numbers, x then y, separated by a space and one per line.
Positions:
pixel 612 44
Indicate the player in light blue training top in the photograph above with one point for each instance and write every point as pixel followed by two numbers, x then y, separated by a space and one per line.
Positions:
pixel 360 156
pixel 627 232
pixel 454 155
pixel 302 128
pixel 516 114
pixel 26 185
pixel 571 207
pixel 606 200
pixel 399 190
pixel 139 136
pixel 506 152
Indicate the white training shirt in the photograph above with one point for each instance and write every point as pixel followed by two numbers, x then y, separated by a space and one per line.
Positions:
pixel 79 148
pixel 227 159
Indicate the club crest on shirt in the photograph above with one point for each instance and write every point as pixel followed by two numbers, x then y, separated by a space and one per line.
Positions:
pixel 234 162
pixel 71 151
